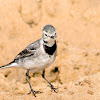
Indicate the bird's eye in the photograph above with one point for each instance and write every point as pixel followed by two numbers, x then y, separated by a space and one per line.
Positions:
pixel 45 34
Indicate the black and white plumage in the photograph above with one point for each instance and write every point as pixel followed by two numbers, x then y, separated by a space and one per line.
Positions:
pixel 38 55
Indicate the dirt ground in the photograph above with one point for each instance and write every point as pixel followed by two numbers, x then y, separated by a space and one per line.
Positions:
pixel 76 69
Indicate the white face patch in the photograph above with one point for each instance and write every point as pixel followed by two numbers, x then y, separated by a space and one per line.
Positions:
pixel 49 38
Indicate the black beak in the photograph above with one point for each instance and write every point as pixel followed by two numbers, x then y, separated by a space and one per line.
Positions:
pixel 52 37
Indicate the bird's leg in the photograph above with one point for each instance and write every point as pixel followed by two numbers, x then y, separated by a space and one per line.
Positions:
pixel 52 87
pixel 31 90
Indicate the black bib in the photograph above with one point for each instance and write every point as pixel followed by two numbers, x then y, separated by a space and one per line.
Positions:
pixel 50 50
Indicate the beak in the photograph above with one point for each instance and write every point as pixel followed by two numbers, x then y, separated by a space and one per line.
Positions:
pixel 53 37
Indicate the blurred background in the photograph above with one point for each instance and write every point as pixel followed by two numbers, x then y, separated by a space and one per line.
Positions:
pixel 77 66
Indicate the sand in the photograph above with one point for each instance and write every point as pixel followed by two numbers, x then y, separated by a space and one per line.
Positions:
pixel 76 69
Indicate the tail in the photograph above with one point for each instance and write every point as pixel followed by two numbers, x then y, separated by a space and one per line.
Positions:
pixel 11 64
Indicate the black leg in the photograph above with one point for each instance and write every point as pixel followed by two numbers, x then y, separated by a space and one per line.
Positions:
pixel 31 90
pixel 52 87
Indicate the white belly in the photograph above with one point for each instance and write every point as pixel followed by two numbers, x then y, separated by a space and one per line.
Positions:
pixel 39 63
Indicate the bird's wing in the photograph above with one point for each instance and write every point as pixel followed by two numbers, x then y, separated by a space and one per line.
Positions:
pixel 29 50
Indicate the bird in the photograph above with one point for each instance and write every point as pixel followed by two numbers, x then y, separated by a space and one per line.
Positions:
pixel 37 56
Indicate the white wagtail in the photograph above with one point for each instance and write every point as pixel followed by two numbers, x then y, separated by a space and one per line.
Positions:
pixel 38 55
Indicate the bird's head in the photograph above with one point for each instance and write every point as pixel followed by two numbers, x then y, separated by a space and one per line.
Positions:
pixel 49 35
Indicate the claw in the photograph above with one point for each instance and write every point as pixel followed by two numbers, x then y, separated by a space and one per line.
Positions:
pixel 29 92
pixel 34 92
pixel 53 88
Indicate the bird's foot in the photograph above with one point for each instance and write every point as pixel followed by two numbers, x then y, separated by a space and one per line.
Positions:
pixel 34 92
pixel 53 88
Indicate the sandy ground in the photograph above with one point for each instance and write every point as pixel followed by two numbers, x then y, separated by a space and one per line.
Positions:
pixel 77 66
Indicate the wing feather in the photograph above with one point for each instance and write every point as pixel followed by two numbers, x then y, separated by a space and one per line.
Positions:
pixel 29 50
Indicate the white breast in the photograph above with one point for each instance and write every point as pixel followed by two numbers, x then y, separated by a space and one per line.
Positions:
pixel 42 61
